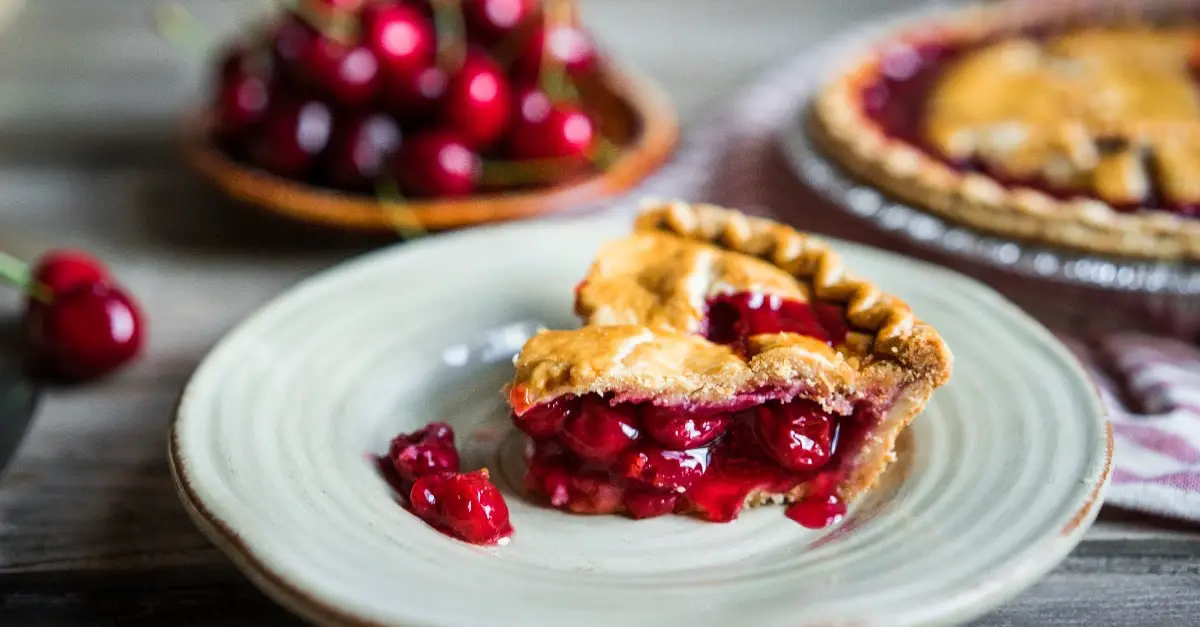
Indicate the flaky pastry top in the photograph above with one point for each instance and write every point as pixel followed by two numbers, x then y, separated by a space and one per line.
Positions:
pixel 644 301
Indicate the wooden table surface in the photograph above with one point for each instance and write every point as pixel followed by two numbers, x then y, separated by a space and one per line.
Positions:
pixel 91 532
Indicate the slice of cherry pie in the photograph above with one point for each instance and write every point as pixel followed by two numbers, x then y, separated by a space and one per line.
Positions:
pixel 725 360
pixel 1075 124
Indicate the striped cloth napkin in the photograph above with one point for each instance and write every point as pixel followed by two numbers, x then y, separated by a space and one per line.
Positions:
pixel 1151 387
pixel 1150 384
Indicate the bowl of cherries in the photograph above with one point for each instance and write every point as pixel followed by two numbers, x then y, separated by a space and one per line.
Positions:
pixel 433 114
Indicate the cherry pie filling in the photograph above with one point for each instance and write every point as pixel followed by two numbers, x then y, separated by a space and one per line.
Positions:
pixel 896 100
pixel 599 454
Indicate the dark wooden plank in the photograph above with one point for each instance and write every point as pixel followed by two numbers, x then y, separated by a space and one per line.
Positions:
pixel 1075 594
pixel 90 488
pixel 197 596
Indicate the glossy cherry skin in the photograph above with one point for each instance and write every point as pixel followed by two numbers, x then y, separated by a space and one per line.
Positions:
pixel 86 331
pixel 416 97
pixel 60 271
pixel 569 46
pixel 679 429
pixel 424 452
pixel 599 432
pixel 478 101
pixel 543 421
pixel 242 96
pixel 663 470
pixel 489 21
pixel 649 503
pixel 817 511
pixel 798 435
pixel 544 130
pixel 466 506
pixel 295 132
pixel 402 38
pixel 437 163
pixel 348 75
pixel 360 151
pixel 292 41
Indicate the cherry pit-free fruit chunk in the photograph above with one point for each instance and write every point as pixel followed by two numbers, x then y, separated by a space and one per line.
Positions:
pixel 600 432
pixel 797 435
pixel 649 503
pixel 662 469
pixel 544 420
pixel 427 451
pixel 466 506
pixel 680 429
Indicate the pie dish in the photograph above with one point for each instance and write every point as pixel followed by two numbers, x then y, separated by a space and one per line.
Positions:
pixel 1059 123
pixel 724 361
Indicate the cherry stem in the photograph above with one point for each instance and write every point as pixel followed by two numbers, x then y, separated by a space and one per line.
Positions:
pixel 552 75
pixel 450 26
pixel 16 273
pixel 178 26
pixel 393 203
pixel 604 153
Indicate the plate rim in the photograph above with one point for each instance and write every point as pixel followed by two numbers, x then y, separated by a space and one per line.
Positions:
pixel 294 598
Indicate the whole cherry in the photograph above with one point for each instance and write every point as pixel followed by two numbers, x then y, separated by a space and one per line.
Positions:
pixel 424 452
pixel 415 97
pixel 242 96
pixel 437 163
pixel 86 331
pixel 292 40
pixel 348 75
pixel 360 151
pixel 545 130
pixel 78 323
pixel 569 46
pixel 60 271
pixel 478 101
pixel 466 506
pixel 489 21
pixel 402 38
pixel 295 131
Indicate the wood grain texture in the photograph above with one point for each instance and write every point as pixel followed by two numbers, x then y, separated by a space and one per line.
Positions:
pixel 90 530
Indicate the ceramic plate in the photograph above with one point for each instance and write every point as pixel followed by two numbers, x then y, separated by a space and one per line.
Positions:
pixel 273 451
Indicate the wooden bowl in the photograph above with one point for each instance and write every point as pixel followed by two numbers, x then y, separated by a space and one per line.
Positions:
pixel 634 114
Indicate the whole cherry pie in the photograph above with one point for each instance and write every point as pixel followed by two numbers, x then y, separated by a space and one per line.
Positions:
pixel 724 361
pixel 1055 122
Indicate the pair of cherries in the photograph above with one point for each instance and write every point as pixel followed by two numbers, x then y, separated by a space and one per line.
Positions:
pixel 79 322
pixel 463 505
